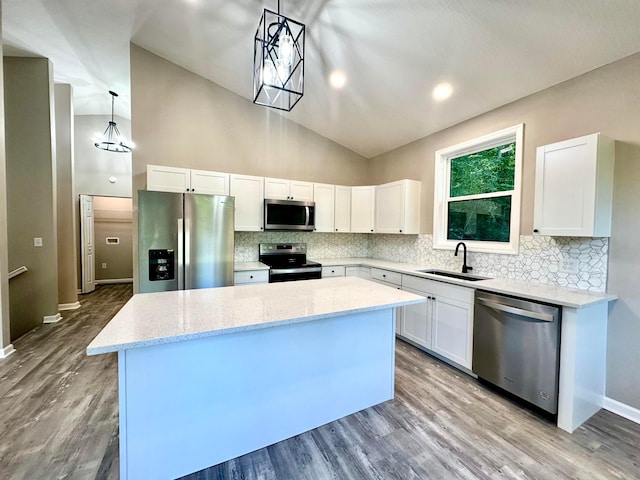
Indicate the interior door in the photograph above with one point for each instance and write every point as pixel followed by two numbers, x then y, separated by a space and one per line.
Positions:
pixel 87 246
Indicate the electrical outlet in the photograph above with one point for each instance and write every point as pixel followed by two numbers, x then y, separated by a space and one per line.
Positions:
pixel 104 265
pixel 37 241
pixel 568 265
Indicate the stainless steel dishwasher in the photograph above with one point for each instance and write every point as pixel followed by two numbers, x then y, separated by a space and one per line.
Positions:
pixel 516 346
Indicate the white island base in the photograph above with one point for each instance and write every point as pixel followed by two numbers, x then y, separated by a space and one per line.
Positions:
pixel 188 405
pixel 208 375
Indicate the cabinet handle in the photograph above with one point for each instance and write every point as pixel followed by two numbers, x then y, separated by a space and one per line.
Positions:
pixel 384 276
pixel 336 229
pixel 401 231
pixel 250 276
pixel 535 230
pixel 372 229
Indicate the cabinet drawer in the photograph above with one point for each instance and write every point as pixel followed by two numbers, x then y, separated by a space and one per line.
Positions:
pixel 439 289
pixel 251 276
pixel 338 271
pixel 386 276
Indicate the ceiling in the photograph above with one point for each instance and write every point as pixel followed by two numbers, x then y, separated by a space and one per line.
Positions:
pixel 393 52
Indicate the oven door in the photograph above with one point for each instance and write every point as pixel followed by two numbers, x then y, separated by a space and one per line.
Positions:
pixel 289 215
pixel 293 274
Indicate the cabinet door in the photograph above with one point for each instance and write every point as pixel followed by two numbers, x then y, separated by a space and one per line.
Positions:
pixel 250 276
pixel 574 187
pixel 343 209
pixel 390 208
pixel 416 321
pixel 336 271
pixel 168 179
pixel 276 188
pixel 324 196
pixel 452 335
pixel 302 191
pixel 212 183
pixel 249 193
pixel 362 209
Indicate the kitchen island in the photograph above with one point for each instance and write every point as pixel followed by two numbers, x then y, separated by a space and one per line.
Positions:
pixel 207 375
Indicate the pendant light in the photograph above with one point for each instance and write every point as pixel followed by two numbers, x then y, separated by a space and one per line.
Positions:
pixel 111 140
pixel 278 61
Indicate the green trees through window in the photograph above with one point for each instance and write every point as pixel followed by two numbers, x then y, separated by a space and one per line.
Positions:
pixel 475 208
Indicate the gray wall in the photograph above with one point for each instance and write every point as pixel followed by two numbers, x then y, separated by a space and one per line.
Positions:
pixel 605 100
pixel 66 204
pixel 31 194
pixel 4 260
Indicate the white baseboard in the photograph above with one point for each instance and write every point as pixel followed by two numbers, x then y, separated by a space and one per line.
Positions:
pixel 622 409
pixel 52 318
pixel 6 351
pixel 111 281
pixel 69 306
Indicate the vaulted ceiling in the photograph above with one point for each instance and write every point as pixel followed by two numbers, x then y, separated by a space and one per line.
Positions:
pixel 393 53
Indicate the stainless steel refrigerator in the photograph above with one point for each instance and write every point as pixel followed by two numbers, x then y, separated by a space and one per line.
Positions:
pixel 185 241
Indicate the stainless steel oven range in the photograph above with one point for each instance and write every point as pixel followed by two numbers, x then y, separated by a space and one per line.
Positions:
pixel 288 262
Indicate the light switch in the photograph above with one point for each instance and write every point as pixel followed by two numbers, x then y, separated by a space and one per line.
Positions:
pixel 37 241
pixel 104 265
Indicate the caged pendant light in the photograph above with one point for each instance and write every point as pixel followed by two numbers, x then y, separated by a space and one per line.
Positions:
pixel 278 61
pixel 111 140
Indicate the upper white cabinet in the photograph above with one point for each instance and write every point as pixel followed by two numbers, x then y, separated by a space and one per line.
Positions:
pixel 574 187
pixel 342 209
pixel 249 193
pixel 324 197
pixel 179 180
pixel 288 189
pixel 398 207
pixel 362 209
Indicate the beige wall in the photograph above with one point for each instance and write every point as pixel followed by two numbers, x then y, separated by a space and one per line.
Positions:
pixel 181 119
pixel 66 204
pixel 605 100
pixel 93 166
pixel 31 194
pixel 4 260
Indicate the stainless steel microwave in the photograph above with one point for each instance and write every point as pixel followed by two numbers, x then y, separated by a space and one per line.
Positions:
pixel 289 215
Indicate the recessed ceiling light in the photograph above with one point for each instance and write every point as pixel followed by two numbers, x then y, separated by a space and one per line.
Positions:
pixel 337 79
pixel 442 91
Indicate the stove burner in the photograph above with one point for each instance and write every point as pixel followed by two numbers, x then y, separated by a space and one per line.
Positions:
pixel 288 262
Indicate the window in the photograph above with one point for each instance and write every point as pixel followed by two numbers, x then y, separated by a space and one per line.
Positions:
pixel 477 193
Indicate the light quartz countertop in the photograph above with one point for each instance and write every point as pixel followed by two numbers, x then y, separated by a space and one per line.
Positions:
pixel 247 266
pixel 164 317
pixel 567 297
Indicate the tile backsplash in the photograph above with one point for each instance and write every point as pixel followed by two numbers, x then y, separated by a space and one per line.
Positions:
pixel 541 258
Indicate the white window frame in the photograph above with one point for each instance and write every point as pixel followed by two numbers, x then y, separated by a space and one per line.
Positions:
pixel 441 191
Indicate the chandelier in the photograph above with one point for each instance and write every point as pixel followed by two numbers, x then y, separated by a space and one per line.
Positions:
pixel 111 140
pixel 278 61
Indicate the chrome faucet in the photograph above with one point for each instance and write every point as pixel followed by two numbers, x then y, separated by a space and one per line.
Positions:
pixel 465 267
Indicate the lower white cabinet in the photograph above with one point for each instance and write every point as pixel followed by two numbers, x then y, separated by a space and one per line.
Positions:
pixel 338 271
pixel 358 271
pixel 250 276
pixel 444 323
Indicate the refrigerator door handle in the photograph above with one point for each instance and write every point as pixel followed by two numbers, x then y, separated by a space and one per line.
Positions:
pixel 187 254
pixel 180 255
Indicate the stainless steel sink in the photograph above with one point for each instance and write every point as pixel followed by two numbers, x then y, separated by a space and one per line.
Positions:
pixel 459 276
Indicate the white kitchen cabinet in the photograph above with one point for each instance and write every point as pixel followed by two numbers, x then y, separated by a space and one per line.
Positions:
pixel 442 325
pixel 250 276
pixel 574 187
pixel 358 271
pixel 335 271
pixel 212 183
pixel 324 197
pixel 249 200
pixel 362 209
pixel 397 207
pixel 342 209
pixel 416 320
pixel 282 189
pixel 179 180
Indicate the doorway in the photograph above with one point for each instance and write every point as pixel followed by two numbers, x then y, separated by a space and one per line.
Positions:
pixel 106 241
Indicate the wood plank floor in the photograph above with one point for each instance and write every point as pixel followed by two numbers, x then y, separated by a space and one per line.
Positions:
pixel 59 420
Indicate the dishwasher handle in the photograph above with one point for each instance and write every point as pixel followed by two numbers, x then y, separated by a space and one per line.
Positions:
pixel 545 317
